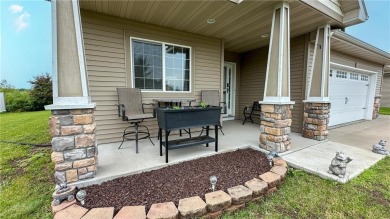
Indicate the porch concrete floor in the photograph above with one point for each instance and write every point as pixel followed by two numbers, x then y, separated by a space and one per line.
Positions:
pixel 354 140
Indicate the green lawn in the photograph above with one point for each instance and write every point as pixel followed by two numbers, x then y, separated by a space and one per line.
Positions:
pixel 26 181
pixel 306 196
pixel 384 110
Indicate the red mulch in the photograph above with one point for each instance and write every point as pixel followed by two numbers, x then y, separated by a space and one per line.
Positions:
pixel 178 181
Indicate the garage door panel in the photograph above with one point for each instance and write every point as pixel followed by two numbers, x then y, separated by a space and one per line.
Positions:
pixel 348 97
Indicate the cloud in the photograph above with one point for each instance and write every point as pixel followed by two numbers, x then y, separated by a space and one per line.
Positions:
pixel 21 21
pixel 15 9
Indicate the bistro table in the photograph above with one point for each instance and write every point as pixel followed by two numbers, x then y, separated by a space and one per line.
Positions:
pixel 170 102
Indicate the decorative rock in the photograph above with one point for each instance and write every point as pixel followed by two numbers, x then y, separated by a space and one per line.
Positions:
pixel 217 201
pixel 73 211
pixel 81 171
pixel 100 213
pixel 83 162
pixel 60 112
pixel 89 129
pixel 133 212
pixel 240 194
pixel 281 171
pixel 71 175
pixel 66 120
pixel 91 151
pixel 75 154
pixel 165 210
pixel 63 166
pixel 59 177
pixel 62 143
pixel 259 187
pixel 87 175
pixel 71 130
pixel 57 157
pixel 84 140
pixel 271 178
pixel 54 126
pixel 83 119
pixel 192 207
pixel 63 205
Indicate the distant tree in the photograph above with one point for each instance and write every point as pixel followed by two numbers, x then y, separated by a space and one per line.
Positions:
pixel 5 85
pixel 41 91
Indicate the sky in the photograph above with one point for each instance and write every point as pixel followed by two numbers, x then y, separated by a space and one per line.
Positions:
pixel 25 37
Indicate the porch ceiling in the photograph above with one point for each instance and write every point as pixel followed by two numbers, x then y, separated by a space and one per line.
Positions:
pixel 240 25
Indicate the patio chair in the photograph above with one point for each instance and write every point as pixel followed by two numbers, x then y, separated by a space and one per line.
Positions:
pixel 211 98
pixel 254 111
pixel 131 109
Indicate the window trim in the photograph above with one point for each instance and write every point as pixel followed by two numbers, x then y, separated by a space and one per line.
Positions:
pixel 163 66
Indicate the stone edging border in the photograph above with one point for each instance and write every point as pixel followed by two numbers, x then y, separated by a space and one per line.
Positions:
pixel 217 203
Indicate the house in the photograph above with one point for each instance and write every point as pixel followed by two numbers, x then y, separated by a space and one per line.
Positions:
pixel 291 56
pixel 385 94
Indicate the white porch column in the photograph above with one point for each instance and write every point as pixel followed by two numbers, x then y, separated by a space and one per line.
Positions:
pixel 317 105
pixel 276 105
pixel 72 124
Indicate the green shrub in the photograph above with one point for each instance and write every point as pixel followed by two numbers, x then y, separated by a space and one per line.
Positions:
pixel 17 100
pixel 41 91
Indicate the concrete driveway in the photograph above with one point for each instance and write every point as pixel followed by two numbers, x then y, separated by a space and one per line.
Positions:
pixel 363 134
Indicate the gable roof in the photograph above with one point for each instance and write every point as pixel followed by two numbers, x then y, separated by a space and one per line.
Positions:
pixel 348 44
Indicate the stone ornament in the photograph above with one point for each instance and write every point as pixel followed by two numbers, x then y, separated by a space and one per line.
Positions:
pixel 380 148
pixel 339 165
pixel 63 192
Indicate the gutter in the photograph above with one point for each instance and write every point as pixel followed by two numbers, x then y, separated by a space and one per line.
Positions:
pixel 346 37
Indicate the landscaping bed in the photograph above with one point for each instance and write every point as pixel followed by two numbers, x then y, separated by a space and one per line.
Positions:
pixel 179 181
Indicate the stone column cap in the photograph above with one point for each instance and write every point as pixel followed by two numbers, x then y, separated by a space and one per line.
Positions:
pixel 70 106
pixel 316 101
pixel 277 103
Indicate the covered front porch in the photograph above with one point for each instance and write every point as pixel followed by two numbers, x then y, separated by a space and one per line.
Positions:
pixel 114 162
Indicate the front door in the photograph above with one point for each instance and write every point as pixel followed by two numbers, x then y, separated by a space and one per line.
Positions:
pixel 228 92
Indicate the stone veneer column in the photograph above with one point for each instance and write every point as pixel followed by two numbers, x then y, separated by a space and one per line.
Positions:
pixel 377 104
pixel 275 127
pixel 315 121
pixel 73 144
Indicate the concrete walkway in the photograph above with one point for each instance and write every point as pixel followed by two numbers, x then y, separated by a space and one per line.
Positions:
pixel 354 140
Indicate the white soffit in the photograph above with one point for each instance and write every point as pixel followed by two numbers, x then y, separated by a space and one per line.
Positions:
pixel 348 44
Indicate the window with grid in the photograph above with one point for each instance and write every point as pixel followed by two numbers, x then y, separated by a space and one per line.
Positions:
pixel 159 66
pixel 354 76
pixel 364 77
pixel 341 74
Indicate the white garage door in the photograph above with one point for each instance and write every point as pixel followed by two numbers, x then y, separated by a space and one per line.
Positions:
pixel 348 96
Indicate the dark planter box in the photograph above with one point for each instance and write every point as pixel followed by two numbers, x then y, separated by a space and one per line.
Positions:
pixel 169 119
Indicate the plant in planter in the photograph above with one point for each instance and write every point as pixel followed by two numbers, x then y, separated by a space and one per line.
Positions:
pixel 203 105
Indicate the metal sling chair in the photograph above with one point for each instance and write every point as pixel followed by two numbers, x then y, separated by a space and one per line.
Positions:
pixel 211 98
pixel 131 109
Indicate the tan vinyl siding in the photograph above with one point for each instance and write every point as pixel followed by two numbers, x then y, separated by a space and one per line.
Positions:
pixel 253 72
pixel 107 42
pixel 385 99
pixel 252 77
pixel 298 77
pixel 351 61
pixel 235 58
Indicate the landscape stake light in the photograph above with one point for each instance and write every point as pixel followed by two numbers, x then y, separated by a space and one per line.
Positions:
pixel 270 157
pixel 213 181
pixel 80 196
